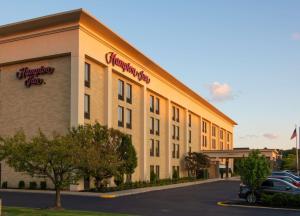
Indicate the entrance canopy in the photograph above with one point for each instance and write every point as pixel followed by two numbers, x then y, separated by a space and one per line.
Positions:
pixel 271 154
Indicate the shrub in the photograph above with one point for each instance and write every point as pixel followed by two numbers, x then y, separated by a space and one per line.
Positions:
pixel 43 185
pixel 21 184
pixel 153 177
pixel 4 185
pixel 119 179
pixel 280 200
pixel 266 199
pixel 175 175
pixel 32 185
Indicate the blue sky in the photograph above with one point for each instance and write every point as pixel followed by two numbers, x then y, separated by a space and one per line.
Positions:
pixel 243 56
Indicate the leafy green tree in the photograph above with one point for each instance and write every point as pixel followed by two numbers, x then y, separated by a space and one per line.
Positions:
pixel 253 170
pixel 195 162
pixel 99 157
pixel 128 156
pixel 289 162
pixel 42 157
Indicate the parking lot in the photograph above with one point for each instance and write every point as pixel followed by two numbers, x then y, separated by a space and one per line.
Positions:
pixel 191 200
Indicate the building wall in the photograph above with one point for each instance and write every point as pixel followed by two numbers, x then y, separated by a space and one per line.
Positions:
pixel 43 107
pixel 85 45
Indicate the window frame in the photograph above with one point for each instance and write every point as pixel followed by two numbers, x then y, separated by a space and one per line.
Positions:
pixel 121 123
pixel 129 124
pixel 129 94
pixel 120 88
pixel 87 101
pixel 87 75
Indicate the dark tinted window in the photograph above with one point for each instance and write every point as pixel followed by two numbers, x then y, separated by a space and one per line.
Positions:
pixel 279 185
pixel 267 183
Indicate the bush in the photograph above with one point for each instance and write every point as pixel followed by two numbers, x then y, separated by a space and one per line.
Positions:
pixel 4 185
pixel 119 179
pixel 281 200
pixel 153 177
pixel 21 184
pixel 43 185
pixel 175 175
pixel 32 185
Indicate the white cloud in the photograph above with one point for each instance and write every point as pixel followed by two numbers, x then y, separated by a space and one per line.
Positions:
pixel 296 36
pixel 220 92
pixel 270 136
pixel 249 136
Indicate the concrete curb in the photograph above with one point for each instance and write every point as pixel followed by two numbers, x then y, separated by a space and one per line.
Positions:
pixel 223 204
pixel 111 195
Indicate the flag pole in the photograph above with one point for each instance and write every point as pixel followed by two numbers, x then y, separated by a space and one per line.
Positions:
pixel 297 157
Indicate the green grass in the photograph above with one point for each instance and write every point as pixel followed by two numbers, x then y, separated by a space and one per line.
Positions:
pixel 15 211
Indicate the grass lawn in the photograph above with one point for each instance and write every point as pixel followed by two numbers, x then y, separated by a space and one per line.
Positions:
pixel 15 211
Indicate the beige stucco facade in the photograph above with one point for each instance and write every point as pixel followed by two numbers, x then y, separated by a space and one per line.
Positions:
pixel 67 42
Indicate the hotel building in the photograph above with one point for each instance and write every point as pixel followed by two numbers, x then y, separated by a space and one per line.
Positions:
pixel 67 69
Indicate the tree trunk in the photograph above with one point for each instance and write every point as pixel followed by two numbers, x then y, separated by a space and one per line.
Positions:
pixel 57 199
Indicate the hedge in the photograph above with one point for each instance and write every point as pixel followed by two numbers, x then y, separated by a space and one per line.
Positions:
pixel 281 200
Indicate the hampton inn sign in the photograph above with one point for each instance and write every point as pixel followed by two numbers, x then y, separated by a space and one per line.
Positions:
pixel 31 76
pixel 111 58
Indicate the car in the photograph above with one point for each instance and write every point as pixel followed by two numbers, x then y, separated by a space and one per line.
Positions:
pixel 288 179
pixel 269 186
pixel 278 173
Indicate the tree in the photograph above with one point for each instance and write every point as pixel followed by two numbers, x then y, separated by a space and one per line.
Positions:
pixel 99 157
pixel 253 171
pixel 42 156
pixel 127 155
pixel 195 162
pixel 289 162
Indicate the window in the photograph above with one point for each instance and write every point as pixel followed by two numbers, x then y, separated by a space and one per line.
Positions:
pixel 278 185
pixel 120 90
pixel 157 106
pixel 87 75
pixel 190 120
pixel 213 143
pixel 228 137
pixel 204 141
pixel 157 148
pixel 221 134
pixel 157 171
pixel 173 113
pixel 177 130
pixel 174 150
pixel 204 127
pixel 177 114
pixel 128 118
pixel 177 152
pixel 157 126
pixel 151 125
pixel 174 132
pixel 221 145
pixel 190 149
pixel 120 116
pixel 213 131
pixel 86 106
pixel 151 170
pixel 190 136
pixel 152 148
pixel 151 103
pixel 128 93
pixel 176 169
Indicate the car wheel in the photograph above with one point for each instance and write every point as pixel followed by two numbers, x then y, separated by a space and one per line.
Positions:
pixel 251 198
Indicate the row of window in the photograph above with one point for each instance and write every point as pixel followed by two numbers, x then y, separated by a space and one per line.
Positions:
pixel 154 148
pixel 175 114
pixel 121 117
pixel 154 126
pixel 176 133
pixel 175 151
pixel 154 106
pixel 121 93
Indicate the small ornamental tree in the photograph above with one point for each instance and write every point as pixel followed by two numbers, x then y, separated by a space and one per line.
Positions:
pixel 42 157
pixel 253 171
pixel 127 155
pixel 195 162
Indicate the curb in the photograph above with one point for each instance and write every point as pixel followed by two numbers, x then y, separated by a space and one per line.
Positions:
pixel 224 204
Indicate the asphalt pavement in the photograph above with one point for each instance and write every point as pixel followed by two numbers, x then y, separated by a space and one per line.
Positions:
pixel 192 200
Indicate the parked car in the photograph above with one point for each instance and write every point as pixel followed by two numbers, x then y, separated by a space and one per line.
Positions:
pixel 288 179
pixel 282 173
pixel 270 186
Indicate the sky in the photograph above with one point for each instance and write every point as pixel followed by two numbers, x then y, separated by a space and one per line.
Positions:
pixel 242 56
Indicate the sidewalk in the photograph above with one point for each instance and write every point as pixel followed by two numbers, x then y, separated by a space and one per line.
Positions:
pixel 123 192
